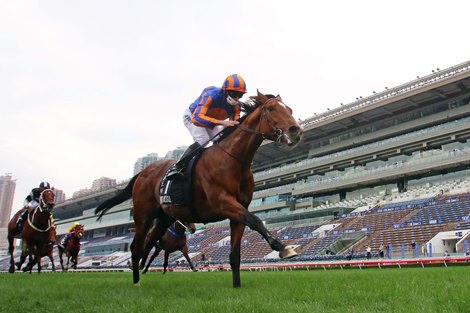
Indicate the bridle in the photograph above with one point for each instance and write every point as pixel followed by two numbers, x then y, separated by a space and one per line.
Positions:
pixel 276 133
pixel 43 206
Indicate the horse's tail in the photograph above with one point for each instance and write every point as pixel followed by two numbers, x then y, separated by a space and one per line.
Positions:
pixel 120 197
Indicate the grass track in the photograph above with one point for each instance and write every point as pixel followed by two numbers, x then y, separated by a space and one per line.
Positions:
pixel 432 289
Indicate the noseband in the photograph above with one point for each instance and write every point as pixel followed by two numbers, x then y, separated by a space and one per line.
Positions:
pixel 42 204
pixel 276 133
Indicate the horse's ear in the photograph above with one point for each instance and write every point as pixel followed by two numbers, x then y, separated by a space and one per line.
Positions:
pixel 261 96
pixel 278 97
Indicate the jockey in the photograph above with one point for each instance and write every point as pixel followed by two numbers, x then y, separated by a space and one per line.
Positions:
pixel 31 202
pixel 68 235
pixel 214 109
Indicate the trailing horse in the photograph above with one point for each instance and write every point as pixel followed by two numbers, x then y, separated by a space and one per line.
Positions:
pixel 222 186
pixel 36 233
pixel 72 248
pixel 173 240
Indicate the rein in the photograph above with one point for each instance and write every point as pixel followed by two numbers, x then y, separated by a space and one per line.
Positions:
pixel 231 155
pixel 277 133
pixel 42 204
pixel 38 229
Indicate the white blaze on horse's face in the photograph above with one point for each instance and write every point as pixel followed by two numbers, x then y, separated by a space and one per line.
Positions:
pixel 283 104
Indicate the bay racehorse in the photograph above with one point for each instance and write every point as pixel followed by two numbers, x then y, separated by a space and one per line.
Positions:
pixel 222 185
pixel 72 248
pixel 36 232
pixel 173 240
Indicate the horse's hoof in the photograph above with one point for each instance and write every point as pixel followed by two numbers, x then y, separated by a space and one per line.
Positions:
pixel 287 253
pixel 11 269
pixel 194 270
pixel 137 284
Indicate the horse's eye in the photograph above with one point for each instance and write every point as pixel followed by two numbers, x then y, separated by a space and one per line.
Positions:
pixel 270 109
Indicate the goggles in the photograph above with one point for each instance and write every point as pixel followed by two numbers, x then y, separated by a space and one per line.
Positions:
pixel 235 94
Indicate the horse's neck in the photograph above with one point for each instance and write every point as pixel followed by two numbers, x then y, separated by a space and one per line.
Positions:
pixel 39 219
pixel 75 239
pixel 242 144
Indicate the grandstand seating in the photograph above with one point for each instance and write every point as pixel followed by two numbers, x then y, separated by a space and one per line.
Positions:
pixel 399 224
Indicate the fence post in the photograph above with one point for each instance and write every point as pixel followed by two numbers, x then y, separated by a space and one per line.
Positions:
pixel 402 251
pixel 430 249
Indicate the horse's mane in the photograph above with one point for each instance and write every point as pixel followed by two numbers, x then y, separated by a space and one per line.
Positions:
pixel 247 108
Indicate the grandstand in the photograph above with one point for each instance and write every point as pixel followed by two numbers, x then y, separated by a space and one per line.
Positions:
pixel 390 169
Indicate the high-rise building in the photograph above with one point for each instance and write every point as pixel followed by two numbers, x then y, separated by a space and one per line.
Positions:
pixel 7 193
pixel 145 161
pixel 59 196
pixel 176 154
pixel 103 183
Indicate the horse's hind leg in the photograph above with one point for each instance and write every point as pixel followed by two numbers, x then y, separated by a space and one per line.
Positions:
pixel 184 250
pixel 142 226
pixel 11 249
pixel 148 247
pixel 165 263
pixel 154 255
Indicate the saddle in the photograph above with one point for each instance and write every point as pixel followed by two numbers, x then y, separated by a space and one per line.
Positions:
pixel 178 191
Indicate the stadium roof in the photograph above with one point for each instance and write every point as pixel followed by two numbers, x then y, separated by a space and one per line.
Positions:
pixel 441 86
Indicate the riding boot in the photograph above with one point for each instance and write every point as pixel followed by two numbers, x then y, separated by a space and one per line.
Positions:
pixel 21 219
pixel 177 170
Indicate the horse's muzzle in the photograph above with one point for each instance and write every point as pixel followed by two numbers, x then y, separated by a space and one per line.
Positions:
pixel 293 136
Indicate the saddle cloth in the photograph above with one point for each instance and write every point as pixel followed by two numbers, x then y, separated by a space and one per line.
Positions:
pixel 178 191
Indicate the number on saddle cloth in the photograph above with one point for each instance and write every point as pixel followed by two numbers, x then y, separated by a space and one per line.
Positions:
pixel 178 192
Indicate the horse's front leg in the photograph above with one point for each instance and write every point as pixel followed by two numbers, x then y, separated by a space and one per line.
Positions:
pixel 61 261
pixel 21 261
pixel 236 234
pixel 256 224
pixel 242 215
pixel 38 259
pixel 52 262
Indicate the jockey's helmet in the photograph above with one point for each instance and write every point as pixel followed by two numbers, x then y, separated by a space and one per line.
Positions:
pixel 44 185
pixel 234 82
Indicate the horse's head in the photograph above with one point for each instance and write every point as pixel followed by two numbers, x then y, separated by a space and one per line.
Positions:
pixel 78 231
pixel 47 200
pixel 277 123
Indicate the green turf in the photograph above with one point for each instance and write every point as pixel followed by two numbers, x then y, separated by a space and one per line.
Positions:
pixel 433 289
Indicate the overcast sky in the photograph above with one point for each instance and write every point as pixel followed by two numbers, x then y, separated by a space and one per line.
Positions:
pixel 88 87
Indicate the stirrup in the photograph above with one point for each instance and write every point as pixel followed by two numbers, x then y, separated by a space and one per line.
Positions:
pixel 175 173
